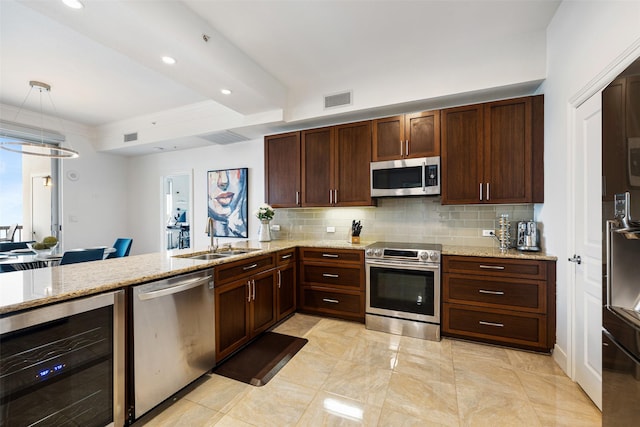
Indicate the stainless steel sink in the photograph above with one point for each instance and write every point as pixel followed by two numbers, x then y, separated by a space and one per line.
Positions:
pixel 207 257
pixel 221 253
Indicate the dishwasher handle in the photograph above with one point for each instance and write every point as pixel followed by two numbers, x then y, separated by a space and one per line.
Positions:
pixel 177 288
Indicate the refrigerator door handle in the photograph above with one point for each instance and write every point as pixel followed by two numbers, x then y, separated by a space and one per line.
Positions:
pixel 610 225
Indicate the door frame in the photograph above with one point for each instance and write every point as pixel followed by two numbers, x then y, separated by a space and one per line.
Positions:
pixel 594 87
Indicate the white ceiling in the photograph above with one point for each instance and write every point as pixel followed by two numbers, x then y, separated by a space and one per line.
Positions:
pixel 103 61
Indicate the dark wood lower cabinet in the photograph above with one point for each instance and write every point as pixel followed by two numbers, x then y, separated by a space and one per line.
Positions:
pixel 332 283
pixel 500 300
pixel 244 309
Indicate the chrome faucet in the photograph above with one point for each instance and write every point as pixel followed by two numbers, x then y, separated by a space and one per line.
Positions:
pixel 213 244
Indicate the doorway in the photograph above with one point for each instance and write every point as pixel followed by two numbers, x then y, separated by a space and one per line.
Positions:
pixel 177 210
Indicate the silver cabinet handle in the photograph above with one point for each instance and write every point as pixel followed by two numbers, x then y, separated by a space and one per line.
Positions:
pixel 330 197
pixel 332 301
pixel 497 325
pixel 480 191
pixel 406 144
pixel 333 276
pixel 250 267
pixel 248 290
pixel 287 256
pixel 492 267
pixel 330 255
pixel 253 282
pixel 297 198
pixel 401 147
pixel 279 279
pixel 487 191
pixel 483 291
pixel 335 197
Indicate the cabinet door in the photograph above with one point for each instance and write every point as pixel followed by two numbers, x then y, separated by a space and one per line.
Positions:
pixel 263 302
pixel 317 179
pixel 388 138
pixel 614 141
pixel 462 154
pixel 286 291
pixel 282 170
pixel 351 160
pixel 232 317
pixel 507 151
pixel 422 132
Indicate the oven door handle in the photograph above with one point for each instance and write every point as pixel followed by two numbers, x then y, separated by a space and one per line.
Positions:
pixel 404 265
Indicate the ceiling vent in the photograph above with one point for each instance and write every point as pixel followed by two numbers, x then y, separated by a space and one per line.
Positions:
pixel 130 137
pixel 338 99
pixel 224 137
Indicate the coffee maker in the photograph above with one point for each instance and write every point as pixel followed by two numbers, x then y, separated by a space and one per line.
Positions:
pixel 528 238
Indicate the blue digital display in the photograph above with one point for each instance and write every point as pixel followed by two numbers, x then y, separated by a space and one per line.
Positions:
pixel 48 372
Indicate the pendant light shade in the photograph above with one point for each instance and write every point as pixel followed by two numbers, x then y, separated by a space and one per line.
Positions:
pixel 34 142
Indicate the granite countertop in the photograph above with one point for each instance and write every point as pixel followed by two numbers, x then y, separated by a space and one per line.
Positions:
pixel 22 290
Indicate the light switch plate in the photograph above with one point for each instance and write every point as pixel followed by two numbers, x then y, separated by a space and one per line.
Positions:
pixel 487 233
pixel 331 229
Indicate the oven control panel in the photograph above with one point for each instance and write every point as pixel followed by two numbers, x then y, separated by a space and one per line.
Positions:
pixel 408 255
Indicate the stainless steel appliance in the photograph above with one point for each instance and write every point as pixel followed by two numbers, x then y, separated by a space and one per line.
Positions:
pixel 621 318
pixel 63 364
pixel 408 177
pixel 173 336
pixel 403 289
pixel 528 238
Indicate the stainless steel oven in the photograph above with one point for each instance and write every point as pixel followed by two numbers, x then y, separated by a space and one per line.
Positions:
pixel 403 289
pixel 63 364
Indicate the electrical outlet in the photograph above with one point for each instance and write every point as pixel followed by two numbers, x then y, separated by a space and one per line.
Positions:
pixel 488 233
pixel 275 227
pixel 331 229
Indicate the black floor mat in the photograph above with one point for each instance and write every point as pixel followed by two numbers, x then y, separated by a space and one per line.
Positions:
pixel 261 360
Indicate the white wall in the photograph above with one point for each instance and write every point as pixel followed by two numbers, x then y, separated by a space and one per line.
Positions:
pixel 583 39
pixel 146 195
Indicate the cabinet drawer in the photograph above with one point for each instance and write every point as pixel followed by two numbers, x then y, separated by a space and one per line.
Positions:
pixel 331 301
pixel 332 255
pixel 495 267
pixel 523 295
pixel 504 326
pixel 243 268
pixel 286 256
pixel 332 276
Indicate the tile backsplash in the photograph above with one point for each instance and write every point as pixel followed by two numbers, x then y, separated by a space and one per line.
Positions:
pixel 405 219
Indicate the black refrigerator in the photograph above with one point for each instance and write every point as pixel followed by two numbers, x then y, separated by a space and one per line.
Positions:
pixel 621 317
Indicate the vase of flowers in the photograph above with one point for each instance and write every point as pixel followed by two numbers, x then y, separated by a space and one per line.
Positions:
pixel 265 214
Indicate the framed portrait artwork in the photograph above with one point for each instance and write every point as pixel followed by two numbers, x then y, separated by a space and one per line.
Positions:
pixel 227 202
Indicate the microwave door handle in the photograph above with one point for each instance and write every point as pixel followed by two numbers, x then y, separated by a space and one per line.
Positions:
pixel 424 179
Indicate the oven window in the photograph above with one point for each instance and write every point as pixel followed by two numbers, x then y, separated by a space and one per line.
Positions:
pixel 408 291
pixel 59 373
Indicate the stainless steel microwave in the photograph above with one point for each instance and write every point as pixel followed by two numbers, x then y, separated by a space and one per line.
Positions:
pixel 408 177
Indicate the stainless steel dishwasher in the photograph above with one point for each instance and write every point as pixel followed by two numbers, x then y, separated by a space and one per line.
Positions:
pixel 174 336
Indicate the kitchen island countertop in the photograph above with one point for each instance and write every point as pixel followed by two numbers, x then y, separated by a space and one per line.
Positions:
pixel 22 290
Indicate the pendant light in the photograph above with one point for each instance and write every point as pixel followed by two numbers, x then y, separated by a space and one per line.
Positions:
pixel 35 145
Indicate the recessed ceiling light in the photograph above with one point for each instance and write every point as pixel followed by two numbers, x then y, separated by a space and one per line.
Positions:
pixel 225 91
pixel 168 60
pixel 73 4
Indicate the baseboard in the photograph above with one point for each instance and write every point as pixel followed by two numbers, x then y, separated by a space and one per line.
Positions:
pixel 561 359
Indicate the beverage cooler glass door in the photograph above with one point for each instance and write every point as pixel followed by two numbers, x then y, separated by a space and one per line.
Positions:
pixel 403 291
pixel 61 365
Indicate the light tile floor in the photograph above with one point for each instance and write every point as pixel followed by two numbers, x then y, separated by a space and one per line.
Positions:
pixel 349 376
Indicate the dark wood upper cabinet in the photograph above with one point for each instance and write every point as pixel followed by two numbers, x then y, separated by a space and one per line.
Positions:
pixel 317 159
pixel 613 139
pixel 407 136
pixel 282 170
pixel 493 152
pixel 352 156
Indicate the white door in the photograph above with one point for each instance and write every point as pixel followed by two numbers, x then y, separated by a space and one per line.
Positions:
pixel 40 209
pixel 587 191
